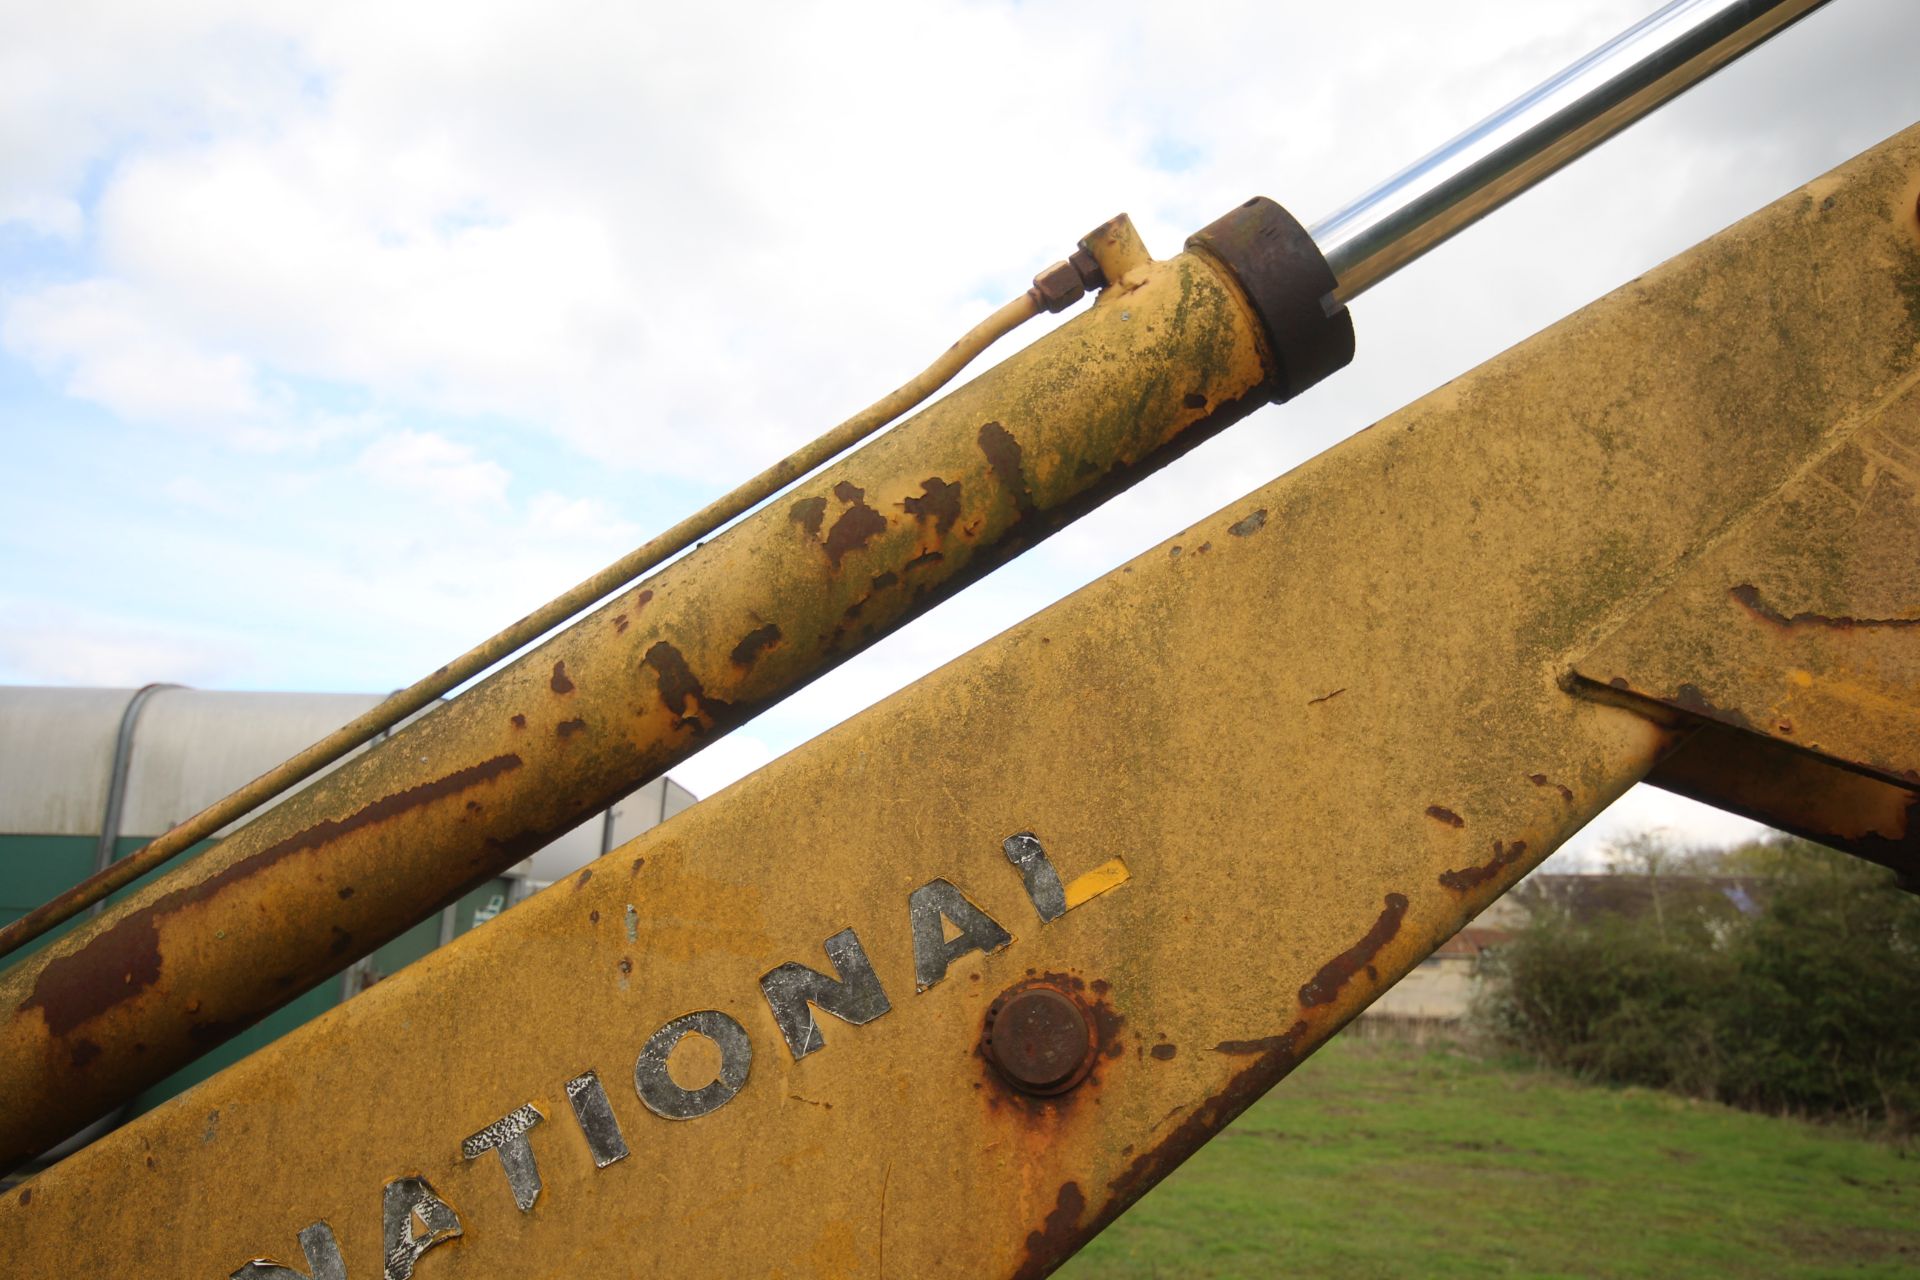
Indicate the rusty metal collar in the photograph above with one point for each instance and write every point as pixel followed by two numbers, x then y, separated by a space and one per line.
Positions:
pixel 1290 287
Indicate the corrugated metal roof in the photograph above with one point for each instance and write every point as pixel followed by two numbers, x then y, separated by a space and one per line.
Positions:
pixel 190 747
pixel 56 754
pixel 193 746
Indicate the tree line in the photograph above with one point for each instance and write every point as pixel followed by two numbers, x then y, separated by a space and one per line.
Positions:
pixel 1777 976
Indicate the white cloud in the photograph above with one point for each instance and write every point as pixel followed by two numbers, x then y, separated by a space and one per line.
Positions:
pixel 101 340
pixel 686 242
pixel 433 467
pixel 60 645
pixel 84 80
pixel 682 240
pixel 305 577
pixel 557 516
pixel 595 235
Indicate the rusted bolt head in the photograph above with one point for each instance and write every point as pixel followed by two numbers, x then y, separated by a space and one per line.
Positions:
pixel 1040 1039
pixel 1058 287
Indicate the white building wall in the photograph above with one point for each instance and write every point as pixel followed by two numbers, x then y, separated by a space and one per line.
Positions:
pixel 1439 987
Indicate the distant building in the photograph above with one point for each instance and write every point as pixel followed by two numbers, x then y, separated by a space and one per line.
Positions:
pixel 1443 986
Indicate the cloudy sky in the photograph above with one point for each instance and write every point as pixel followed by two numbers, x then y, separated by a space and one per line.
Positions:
pixel 333 337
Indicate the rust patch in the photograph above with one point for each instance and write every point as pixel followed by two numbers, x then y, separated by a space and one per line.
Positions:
pixel 83 1052
pixel 1447 816
pixel 619 624
pixel 1250 525
pixel 1690 697
pixel 1056 1237
pixel 1005 460
pixel 1107 1021
pixel 1164 1052
pixel 519 722
pixel 753 644
pixel 567 728
pixel 1466 878
pixel 1287 1042
pixel 124 959
pixel 1542 780
pixel 1274 1057
pixel 560 682
pixel 938 502
pixel 1334 974
pixel 1748 598
pixel 680 690
pixel 808 513
pixel 858 525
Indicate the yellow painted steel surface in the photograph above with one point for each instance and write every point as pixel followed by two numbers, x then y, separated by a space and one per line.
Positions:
pixel 1795 635
pixel 1802 625
pixel 1321 729
pixel 1167 356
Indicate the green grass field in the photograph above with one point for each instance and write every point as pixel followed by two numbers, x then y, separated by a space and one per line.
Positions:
pixel 1383 1160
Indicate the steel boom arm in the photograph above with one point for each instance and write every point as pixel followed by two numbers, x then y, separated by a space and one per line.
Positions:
pixel 1217 801
pixel 1174 352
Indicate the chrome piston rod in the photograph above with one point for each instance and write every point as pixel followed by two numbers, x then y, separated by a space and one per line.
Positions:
pixel 1550 125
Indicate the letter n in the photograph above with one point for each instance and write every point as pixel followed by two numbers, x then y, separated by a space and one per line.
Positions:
pixel 793 990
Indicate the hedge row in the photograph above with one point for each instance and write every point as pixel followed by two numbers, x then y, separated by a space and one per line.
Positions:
pixel 1810 1004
